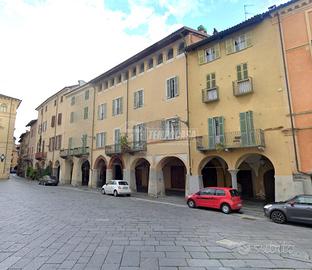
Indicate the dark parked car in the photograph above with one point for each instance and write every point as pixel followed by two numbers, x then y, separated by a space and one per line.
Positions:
pixel 297 209
pixel 48 181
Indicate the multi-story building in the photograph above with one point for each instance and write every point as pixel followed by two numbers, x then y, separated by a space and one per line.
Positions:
pixel 238 109
pixel 295 30
pixel 139 113
pixel 51 129
pixel 32 143
pixel 8 107
pixel 24 160
pixel 79 104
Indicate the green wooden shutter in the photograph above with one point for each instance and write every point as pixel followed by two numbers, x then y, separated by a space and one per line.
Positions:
pixel 168 89
pixel 121 105
pixel 245 71
pixel 163 129
pixel 84 140
pixel 229 46
pixel 243 128
pixel 201 57
pixel 176 86
pixel 211 134
pixel 213 80
pixel 239 72
pixel 248 38
pixel 221 124
pixel 250 128
pixel 208 81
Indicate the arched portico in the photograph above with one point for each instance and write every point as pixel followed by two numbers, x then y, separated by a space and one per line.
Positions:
pixel 116 165
pixel 99 171
pixel 171 173
pixel 256 177
pixel 141 169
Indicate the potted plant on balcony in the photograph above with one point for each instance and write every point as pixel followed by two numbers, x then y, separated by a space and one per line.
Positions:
pixel 125 147
pixel 220 147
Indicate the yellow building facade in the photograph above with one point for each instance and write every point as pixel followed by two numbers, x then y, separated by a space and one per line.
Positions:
pixel 8 107
pixel 238 110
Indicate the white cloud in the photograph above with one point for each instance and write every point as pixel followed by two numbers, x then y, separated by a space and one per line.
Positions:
pixel 49 44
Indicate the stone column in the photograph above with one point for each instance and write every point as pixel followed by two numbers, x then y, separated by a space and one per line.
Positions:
pixel 234 177
pixel 132 182
pixel 109 175
pixel 76 180
pixel 152 182
pixel 193 184
pixel 93 178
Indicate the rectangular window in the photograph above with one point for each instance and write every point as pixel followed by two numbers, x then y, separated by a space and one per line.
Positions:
pixel 58 142
pixel 102 111
pixel 134 71
pixel 71 120
pixel 59 119
pixel 119 78
pixel 72 101
pixel 54 102
pixel 171 128
pixel 117 106
pixel 87 95
pixel 209 54
pixel 242 72
pixel 172 87
pixel 170 54
pixel 105 85
pixel 85 113
pixel 238 43
pixel 117 136
pixel 100 140
pixel 70 143
pixel 112 81
pixel 142 67
pixel 215 131
pixel 84 140
pixel 53 121
pixel 61 99
pixel 51 144
pixel 211 81
pixel 138 99
pixel 181 48
pixel 126 75
pixel 160 59
pixel 150 63
pixel 139 133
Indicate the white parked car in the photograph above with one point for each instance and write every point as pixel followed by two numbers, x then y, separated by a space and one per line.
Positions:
pixel 116 187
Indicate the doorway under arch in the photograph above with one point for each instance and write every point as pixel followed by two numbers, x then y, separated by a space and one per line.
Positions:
pixel 85 173
pixel 100 166
pixel 117 168
pixel 142 168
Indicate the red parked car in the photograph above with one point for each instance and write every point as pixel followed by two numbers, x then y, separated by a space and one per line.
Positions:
pixel 225 199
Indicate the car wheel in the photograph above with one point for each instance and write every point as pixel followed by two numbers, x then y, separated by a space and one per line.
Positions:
pixel 278 217
pixel 225 208
pixel 115 193
pixel 103 191
pixel 191 204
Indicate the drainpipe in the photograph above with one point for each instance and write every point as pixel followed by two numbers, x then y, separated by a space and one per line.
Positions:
pixel 289 98
pixel 92 132
pixel 7 140
pixel 187 107
pixel 127 109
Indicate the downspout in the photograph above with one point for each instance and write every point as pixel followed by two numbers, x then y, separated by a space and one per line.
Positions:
pixel 7 140
pixel 127 110
pixel 187 107
pixel 92 131
pixel 289 98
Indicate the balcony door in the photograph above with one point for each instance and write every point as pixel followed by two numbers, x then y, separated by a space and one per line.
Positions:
pixel 247 128
pixel 117 139
pixel 215 131
pixel 139 134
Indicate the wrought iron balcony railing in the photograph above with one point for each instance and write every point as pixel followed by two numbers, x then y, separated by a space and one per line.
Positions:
pixel 131 148
pixel 210 95
pixel 231 140
pixel 243 87
pixel 41 155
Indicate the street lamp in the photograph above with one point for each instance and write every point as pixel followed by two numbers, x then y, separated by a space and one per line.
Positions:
pixel 2 157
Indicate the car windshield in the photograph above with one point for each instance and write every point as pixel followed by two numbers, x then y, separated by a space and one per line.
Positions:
pixel 234 193
pixel 123 183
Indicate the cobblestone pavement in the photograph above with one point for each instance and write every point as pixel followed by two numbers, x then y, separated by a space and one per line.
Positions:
pixel 68 228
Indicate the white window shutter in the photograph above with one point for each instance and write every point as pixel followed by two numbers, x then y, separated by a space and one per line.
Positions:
pixel 229 46
pixel 176 86
pixel 201 57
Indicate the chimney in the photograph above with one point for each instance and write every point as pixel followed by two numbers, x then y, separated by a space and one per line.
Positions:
pixel 81 82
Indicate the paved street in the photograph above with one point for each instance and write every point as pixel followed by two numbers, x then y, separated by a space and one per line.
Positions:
pixel 68 228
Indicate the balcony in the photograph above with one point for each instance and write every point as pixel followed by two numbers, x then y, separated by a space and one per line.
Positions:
pixel 131 148
pixel 231 140
pixel 65 153
pixel 210 95
pixel 41 155
pixel 243 87
pixel 80 151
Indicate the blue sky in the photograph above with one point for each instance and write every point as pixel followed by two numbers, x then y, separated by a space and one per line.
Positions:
pixel 48 44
